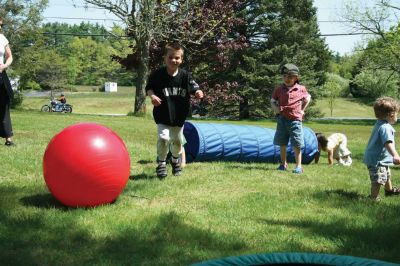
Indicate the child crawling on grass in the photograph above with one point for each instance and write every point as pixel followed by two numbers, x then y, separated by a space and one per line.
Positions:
pixel 336 147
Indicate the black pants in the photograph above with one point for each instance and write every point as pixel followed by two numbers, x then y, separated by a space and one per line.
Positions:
pixel 5 118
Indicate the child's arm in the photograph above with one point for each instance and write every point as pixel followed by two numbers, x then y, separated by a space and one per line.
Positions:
pixel 194 88
pixel 183 157
pixel 392 150
pixel 154 99
pixel 316 158
pixel 330 157
pixel 275 106
pixel 306 102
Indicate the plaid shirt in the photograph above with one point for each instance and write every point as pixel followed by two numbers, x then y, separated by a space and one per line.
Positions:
pixel 291 100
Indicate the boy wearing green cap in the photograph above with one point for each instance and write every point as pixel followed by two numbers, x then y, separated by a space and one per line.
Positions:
pixel 290 100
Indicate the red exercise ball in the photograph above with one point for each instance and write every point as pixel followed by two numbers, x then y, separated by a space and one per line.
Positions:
pixel 86 165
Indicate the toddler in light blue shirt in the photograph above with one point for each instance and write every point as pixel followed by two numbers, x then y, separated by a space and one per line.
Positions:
pixel 381 152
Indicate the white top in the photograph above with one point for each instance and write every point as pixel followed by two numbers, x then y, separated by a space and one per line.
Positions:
pixel 335 140
pixel 3 44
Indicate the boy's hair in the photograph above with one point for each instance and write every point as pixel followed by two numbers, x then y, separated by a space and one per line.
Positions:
pixel 173 47
pixel 322 140
pixel 384 106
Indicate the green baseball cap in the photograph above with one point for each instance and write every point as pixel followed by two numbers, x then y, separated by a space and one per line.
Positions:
pixel 290 69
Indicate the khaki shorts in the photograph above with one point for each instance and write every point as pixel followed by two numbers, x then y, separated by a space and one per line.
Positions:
pixel 379 174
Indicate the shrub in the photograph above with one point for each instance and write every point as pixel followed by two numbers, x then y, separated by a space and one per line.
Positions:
pixel 374 84
pixel 31 85
pixel 17 99
pixel 341 85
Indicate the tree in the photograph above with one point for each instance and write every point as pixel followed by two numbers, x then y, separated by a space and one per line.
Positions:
pixel 59 35
pixel 152 23
pixel 21 20
pixel 278 32
pixel 46 68
pixel 52 75
pixel 332 91
pixel 93 64
pixel 375 83
pixel 382 53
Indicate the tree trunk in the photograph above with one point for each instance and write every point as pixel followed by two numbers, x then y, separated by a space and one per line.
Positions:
pixel 143 72
pixel 244 111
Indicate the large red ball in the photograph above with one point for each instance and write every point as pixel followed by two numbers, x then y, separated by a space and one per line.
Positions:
pixel 86 165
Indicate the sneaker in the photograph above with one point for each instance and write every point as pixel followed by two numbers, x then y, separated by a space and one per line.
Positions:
pixel 298 170
pixel 176 168
pixel 394 192
pixel 348 161
pixel 9 143
pixel 161 170
pixel 282 167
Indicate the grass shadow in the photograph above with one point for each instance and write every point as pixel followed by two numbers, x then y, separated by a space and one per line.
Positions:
pixel 45 201
pixel 145 161
pixel 350 195
pixel 382 244
pixel 171 240
pixel 142 176
pixel 255 166
pixel 164 239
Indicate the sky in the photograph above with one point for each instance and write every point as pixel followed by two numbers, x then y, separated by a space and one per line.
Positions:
pixel 74 12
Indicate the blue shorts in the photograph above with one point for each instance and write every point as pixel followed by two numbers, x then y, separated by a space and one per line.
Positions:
pixel 289 129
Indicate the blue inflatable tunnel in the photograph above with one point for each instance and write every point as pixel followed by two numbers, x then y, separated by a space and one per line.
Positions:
pixel 240 143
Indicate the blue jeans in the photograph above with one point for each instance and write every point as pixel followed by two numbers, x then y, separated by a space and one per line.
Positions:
pixel 286 130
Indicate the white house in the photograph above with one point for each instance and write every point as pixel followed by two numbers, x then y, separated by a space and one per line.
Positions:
pixel 110 86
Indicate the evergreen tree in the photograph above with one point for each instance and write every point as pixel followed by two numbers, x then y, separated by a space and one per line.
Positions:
pixel 278 32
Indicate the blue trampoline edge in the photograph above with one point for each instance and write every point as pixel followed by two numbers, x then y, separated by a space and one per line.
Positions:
pixel 294 259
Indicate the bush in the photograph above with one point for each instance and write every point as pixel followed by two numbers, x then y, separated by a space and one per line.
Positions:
pixel 17 99
pixel 374 84
pixel 341 85
pixel 31 85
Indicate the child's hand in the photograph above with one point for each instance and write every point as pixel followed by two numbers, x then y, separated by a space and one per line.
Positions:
pixel 155 100
pixel 396 160
pixel 199 94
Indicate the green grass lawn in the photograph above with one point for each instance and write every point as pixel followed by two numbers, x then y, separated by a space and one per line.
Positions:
pixel 346 107
pixel 215 209
pixel 85 101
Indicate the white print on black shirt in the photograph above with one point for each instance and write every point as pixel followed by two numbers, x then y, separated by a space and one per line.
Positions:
pixel 175 91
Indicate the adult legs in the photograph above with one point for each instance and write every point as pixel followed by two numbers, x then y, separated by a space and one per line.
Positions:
pixel 5 117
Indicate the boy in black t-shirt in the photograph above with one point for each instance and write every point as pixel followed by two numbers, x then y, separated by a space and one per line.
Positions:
pixel 169 88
